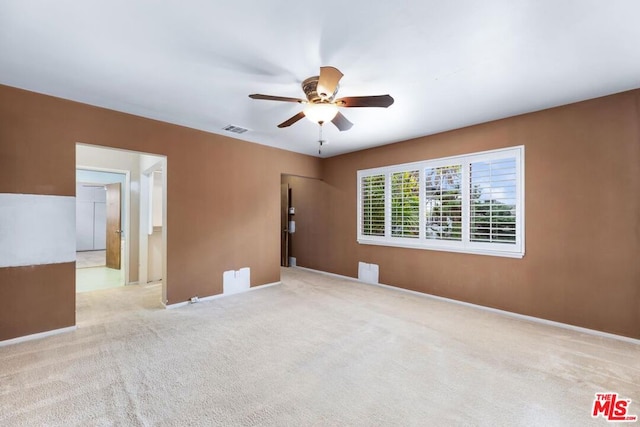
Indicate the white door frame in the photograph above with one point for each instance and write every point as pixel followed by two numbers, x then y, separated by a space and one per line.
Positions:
pixel 127 212
pixel 146 225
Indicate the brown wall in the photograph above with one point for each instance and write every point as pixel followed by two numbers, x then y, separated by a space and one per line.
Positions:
pixel 582 205
pixel 223 198
pixel 29 295
pixel 582 210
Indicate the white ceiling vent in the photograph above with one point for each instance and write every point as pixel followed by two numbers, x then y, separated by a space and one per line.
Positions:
pixel 234 129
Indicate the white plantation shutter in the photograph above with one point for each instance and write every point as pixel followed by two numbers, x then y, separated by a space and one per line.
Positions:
pixel 493 185
pixel 443 202
pixel 472 204
pixel 372 196
pixel 405 204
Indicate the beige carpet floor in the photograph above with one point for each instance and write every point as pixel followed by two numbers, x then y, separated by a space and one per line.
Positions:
pixel 314 351
pixel 87 259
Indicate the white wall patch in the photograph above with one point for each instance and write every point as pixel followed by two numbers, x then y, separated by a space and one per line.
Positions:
pixel 368 272
pixel 234 281
pixel 37 229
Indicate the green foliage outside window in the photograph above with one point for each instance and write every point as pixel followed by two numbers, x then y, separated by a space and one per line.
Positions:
pixel 405 204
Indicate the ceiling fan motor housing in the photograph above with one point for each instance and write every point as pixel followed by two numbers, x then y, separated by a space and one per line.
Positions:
pixel 310 89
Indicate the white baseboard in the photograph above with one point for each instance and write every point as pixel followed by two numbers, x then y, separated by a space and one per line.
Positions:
pixel 37 336
pixel 266 285
pixel 175 305
pixel 493 310
pixel 213 297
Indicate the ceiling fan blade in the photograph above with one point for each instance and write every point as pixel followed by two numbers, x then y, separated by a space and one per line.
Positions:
pixel 341 122
pixel 292 120
pixel 365 101
pixel 275 98
pixel 328 81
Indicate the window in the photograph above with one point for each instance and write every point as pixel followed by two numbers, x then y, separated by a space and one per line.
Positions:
pixel 405 204
pixel 493 201
pixel 372 204
pixel 443 202
pixel 472 203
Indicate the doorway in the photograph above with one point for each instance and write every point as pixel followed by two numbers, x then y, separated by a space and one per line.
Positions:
pixel 133 207
pixel 304 215
pixel 285 224
pixel 100 215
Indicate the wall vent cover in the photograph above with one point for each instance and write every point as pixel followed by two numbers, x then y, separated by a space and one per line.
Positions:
pixel 235 129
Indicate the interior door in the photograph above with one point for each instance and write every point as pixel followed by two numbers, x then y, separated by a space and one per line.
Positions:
pixel 284 225
pixel 114 230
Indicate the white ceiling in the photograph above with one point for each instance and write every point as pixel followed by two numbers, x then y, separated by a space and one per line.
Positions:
pixel 448 64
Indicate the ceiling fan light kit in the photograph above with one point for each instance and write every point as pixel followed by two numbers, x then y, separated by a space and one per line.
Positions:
pixel 321 112
pixel 321 105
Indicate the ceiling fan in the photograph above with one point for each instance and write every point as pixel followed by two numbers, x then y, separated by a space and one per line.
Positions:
pixel 321 105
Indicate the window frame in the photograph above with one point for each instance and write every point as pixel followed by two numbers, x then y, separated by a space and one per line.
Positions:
pixel 465 245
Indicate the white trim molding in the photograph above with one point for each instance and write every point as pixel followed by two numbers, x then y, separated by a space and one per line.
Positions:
pixel 37 336
pixel 214 297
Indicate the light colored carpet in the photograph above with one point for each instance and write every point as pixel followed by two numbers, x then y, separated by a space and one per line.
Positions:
pixel 314 351
pixel 87 259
